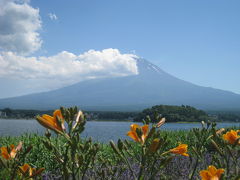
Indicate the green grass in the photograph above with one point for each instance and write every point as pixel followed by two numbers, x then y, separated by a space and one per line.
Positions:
pixel 41 157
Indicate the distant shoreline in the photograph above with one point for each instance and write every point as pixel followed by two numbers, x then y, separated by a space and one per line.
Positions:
pixel 124 120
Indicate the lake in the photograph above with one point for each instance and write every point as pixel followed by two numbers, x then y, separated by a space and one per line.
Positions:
pixel 102 131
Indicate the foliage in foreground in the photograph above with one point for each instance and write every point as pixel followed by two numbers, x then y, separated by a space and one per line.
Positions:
pixel 205 153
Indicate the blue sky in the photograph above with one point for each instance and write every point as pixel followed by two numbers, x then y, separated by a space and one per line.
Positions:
pixel 197 41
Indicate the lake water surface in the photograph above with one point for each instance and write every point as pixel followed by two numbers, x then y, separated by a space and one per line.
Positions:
pixel 102 131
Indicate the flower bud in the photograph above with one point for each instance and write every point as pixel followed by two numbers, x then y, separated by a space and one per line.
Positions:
pixel 220 131
pixel 154 146
pixel 78 119
pixel 120 145
pixel 161 122
pixel 115 149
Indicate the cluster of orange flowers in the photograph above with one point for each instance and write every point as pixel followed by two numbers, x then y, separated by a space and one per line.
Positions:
pixel 140 133
pixel 27 169
pixel 9 153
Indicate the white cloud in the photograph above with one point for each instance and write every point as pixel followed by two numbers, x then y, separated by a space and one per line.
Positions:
pixel 19 36
pixel 19 25
pixel 52 16
pixel 66 68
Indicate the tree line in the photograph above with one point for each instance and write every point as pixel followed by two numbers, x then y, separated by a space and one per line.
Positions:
pixel 171 113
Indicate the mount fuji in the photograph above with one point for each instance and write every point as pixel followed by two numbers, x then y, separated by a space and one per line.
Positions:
pixel 151 86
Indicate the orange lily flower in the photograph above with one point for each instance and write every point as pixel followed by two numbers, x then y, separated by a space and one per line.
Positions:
pixel 54 122
pixel 10 153
pixel 231 136
pixel 181 149
pixel 135 136
pixel 212 173
pixel 24 169
pixel 31 171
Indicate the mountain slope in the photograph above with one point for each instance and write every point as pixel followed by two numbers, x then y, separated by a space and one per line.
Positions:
pixel 150 87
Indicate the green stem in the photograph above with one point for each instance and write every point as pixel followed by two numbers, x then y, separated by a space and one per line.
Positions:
pixel 234 159
pixel 142 164
pixel 129 166
pixel 164 153
pixel 227 163
pixel 195 168
pixel 73 152
pixel 65 163
pixel 152 168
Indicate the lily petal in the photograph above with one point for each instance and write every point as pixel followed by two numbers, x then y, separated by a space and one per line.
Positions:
pixel 133 135
pixel 4 153
pixel 145 130
pixel 185 154
pixel 48 123
pixel 212 170
pixel 36 172
pixel 24 168
pixel 13 153
pixel 220 172
pixel 133 127
pixel 205 175
pixel 57 113
pixel 48 118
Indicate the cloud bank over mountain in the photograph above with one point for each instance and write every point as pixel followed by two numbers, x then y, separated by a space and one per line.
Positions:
pixel 65 68
pixel 19 37
pixel 66 65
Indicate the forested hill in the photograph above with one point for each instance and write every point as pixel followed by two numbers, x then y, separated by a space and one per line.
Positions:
pixel 173 114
